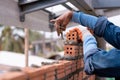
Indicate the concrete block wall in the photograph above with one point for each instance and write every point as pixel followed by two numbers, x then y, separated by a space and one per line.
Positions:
pixel 70 68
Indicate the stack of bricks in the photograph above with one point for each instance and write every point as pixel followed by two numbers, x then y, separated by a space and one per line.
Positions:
pixel 71 68
pixel 73 50
pixel 73 45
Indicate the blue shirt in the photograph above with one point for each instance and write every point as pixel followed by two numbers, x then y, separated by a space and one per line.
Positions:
pixel 98 61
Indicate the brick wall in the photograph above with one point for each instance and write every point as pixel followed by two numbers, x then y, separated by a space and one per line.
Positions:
pixel 69 68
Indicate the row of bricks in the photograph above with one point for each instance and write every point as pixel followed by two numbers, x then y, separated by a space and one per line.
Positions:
pixel 75 50
pixel 23 76
pixel 45 72
pixel 57 70
pixel 80 76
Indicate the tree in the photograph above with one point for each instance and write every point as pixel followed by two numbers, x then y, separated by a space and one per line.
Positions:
pixel 9 43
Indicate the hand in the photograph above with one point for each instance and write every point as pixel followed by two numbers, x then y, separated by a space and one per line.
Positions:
pixel 83 32
pixel 61 22
pixel 91 31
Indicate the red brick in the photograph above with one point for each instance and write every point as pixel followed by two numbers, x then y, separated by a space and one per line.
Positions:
pixel 48 74
pixel 82 63
pixel 13 76
pixel 40 72
pixel 92 77
pixel 80 75
pixel 33 72
pixel 70 50
pixel 60 75
pixel 50 78
pixel 38 78
pixel 72 35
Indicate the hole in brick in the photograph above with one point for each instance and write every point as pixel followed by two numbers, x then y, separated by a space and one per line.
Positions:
pixel 73 38
pixel 70 52
pixel 67 52
pixel 69 38
pixel 69 35
pixel 67 48
pixel 70 48
pixel 72 34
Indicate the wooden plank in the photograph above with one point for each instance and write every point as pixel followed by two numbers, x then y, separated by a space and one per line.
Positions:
pixel 26 47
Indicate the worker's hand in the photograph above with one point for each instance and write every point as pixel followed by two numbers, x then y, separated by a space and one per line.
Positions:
pixel 83 32
pixel 61 22
pixel 91 31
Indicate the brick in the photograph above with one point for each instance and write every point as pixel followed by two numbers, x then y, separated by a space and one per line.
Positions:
pixel 60 75
pixel 33 72
pixel 84 74
pixel 82 63
pixel 92 77
pixel 49 78
pixel 49 74
pixel 72 78
pixel 70 50
pixel 79 64
pixel 74 50
pixel 13 76
pixel 68 71
pixel 76 77
pixel 72 35
pixel 48 68
pixel 60 70
pixel 80 75
pixel 38 78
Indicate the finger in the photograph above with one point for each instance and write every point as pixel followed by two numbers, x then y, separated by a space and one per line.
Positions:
pixel 58 31
pixel 53 20
pixel 57 28
pixel 90 30
pixel 62 28
pixel 65 23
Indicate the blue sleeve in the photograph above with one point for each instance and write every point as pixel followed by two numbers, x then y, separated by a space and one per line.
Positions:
pixel 102 63
pixel 107 30
pixel 84 19
pixel 101 27
pixel 89 43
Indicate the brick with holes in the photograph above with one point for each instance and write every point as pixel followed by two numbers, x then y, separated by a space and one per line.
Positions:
pixel 71 51
pixel 72 36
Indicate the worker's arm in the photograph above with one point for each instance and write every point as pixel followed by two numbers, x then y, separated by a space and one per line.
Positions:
pixel 101 27
pixel 100 62
pixel 84 19
pixel 97 61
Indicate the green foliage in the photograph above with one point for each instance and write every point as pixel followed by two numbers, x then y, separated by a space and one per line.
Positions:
pixel 33 36
pixel 9 43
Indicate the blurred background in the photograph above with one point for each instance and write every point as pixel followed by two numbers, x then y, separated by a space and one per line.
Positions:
pixel 35 35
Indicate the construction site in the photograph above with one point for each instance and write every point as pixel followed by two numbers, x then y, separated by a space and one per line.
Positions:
pixel 30 48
